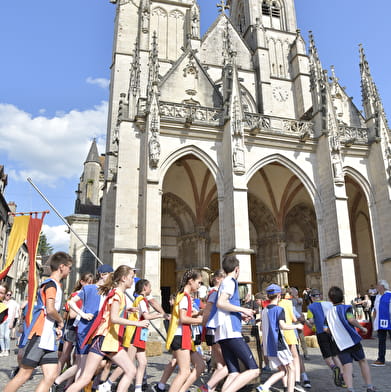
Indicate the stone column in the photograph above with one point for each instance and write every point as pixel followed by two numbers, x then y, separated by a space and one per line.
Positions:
pixel 338 268
pixel 151 248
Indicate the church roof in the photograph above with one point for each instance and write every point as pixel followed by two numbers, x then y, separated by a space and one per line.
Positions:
pixel 93 155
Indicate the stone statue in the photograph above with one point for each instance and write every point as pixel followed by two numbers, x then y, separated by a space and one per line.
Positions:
pixel 154 151
pixel 195 25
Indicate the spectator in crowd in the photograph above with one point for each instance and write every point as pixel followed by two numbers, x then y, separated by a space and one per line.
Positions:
pixel 382 319
pixel 372 292
pixel 367 306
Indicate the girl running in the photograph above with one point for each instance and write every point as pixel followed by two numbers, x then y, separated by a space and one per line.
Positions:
pixel 179 338
pixel 107 330
pixel 138 336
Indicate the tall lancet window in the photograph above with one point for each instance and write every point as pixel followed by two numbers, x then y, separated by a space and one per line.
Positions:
pixel 271 14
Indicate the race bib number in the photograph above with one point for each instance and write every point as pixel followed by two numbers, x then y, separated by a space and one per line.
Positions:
pixel 383 323
pixel 144 334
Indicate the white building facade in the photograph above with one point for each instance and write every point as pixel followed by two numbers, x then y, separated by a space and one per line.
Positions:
pixel 240 142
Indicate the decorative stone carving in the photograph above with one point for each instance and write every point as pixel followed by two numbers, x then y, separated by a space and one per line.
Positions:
pixel 195 24
pixel 337 168
pixel 154 150
pixel 145 16
pixel 154 144
pixel 177 15
pixel 353 135
pixel 237 138
pixel 222 6
pixel 388 156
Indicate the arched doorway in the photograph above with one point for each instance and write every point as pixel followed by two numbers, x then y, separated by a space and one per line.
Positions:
pixel 283 229
pixel 361 231
pixel 190 230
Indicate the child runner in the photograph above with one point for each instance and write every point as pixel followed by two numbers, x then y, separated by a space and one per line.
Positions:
pixel 135 337
pixel 179 339
pixel 45 328
pixel 208 335
pixel 290 336
pixel 86 304
pixel 316 316
pixel 343 326
pixel 274 344
pixel 70 330
pixel 226 319
pixel 106 331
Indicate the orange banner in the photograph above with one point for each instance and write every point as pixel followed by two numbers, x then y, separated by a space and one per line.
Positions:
pixel 33 233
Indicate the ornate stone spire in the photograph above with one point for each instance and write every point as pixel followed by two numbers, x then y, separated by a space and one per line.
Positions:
pixel 371 100
pixel 233 104
pixel 370 96
pixel 316 69
pixel 228 53
pixel 153 117
pixel 153 79
pixel 229 65
pixel 134 85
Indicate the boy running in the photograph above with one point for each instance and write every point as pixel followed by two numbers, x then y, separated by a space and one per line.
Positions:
pixel 226 318
pixel 274 344
pixel 342 325
pixel 316 316
pixel 45 328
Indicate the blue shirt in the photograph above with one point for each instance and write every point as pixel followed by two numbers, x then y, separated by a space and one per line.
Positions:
pixel 91 303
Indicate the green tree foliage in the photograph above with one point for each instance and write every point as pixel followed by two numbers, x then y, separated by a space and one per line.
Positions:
pixel 44 248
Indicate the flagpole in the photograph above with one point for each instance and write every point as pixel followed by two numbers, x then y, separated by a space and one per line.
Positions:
pixel 63 219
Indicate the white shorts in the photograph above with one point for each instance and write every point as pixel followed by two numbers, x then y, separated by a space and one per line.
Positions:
pixel 283 357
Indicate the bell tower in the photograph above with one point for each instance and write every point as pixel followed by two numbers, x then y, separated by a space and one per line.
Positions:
pixel 272 14
pixel 269 28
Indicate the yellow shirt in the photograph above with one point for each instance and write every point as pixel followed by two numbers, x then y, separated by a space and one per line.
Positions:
pixel 290 335
pixel 111 342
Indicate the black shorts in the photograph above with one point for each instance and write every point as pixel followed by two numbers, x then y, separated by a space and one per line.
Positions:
pixel 210 340
pixel 327 345
pixel 235 349
pixel 70 334
pixel 355 352
pixel 35 356
pixel 176 343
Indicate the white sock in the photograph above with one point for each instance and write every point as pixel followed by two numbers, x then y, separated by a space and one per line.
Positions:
pixel 161 386
pixel 138 388
pixel 304 376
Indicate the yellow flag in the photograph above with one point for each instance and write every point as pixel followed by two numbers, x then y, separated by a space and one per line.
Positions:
pixel 17 237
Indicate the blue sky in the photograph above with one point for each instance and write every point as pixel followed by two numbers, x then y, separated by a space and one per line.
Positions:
pixel 54 78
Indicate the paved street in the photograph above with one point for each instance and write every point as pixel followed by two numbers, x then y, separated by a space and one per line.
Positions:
pixel 320 376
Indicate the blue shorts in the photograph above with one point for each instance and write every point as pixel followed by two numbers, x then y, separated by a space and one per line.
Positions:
pixel 355 352
pixel 235 349
pixel 79 341
pixel 96 347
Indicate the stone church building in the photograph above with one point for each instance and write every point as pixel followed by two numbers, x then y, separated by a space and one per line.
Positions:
pixel 238 142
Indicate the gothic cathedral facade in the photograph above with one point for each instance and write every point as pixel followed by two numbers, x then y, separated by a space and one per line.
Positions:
pixel 238 142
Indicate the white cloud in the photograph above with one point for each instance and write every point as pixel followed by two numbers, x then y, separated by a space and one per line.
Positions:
pixel 49 148
pixel 57 237
pixel 101 82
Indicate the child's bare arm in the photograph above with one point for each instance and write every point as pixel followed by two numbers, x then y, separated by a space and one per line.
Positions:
pixel 285 326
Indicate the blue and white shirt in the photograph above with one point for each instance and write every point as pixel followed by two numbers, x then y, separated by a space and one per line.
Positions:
pixel 227 325
pixel 344 333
